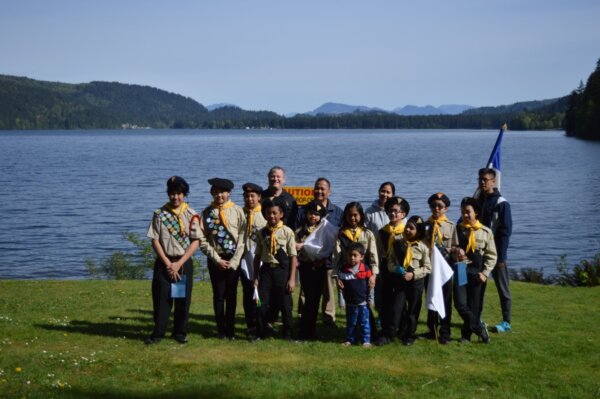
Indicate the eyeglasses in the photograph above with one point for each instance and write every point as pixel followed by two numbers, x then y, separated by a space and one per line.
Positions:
pixel 437 206
pixel 484 179
pixel 394 211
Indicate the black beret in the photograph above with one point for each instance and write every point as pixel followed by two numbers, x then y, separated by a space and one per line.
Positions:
pixel 441 197
pixel 401 202
pixel 316 208
pixel 252 188
pixel 177 184
pixel 224 184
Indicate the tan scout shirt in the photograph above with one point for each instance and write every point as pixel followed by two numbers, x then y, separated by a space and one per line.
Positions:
pixel 421 262
pixel 258 222
pixel 285 239
pixel 236 221
pixel 367 239
pixel 485 245
pixel 159 231
pixel 449 238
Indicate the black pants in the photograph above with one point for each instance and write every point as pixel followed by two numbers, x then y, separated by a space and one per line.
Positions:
pixel 501 279
pixel 224 284
pixel 312 280
pixel 273 293
pixel 433 317
pixel 162 301
pixel 398 294
pixel 467 300
pixel 248 300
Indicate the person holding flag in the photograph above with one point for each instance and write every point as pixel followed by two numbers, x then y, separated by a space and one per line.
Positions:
pixel 496 214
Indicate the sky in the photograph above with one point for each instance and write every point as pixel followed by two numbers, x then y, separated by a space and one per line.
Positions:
pixel 293 56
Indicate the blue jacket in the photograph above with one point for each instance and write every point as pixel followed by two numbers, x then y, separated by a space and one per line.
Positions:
pixel 495 214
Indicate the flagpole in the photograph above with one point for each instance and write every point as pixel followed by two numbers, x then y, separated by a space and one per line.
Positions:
pixel 494 159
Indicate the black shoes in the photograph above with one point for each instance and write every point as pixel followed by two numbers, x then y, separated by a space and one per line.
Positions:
pixel 180 339
pixel 152 340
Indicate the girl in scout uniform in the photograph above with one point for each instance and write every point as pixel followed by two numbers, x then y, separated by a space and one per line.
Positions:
pixel 312 272
pixel 174 231
pixel 441 232
pixel 254 223
pixel 275 266
pixel 407 265
pixel 222 241
pixel 478 250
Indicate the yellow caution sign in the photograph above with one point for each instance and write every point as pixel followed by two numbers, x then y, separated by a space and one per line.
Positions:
pixel 303 195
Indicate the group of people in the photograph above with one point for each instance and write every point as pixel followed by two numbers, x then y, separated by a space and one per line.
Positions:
pixel 378 259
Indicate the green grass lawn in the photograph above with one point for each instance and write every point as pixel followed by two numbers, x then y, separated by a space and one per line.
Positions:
pixel 85 339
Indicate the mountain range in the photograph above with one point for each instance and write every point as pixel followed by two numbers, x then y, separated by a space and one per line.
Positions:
pixel 337 109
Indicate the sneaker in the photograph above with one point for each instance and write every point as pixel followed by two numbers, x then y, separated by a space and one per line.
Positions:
pixel 347 343
pixel 484 336
pixel 367 345
pixel 381 341
pixel 464 340
pixel 503 326
pixel 408 342
pixel 152 340
pixel 180 339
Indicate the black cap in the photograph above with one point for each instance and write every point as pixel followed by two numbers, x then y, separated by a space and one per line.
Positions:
pixel 439 197
pixel 316 208
pixel 177 184
pixel 401 202
pixel 252 188
pixel 223 184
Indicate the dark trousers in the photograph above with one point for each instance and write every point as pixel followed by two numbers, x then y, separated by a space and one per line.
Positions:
pixel 162 301
pixel 312 280
pixel 433 317
pixel 248 300
pixel 273 293
pixel 224 284
pixel 398 294
pixel 467 300
pixel 501 279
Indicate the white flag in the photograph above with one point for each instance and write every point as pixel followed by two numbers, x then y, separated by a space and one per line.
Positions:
pixel 441 272
pixel 319 244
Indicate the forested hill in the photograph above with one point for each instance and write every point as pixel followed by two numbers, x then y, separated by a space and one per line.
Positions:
pixel 32 104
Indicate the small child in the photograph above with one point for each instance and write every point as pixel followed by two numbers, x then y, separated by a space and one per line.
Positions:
pixel 276 278
pixel 353 278
pixel 312 272
pixel 175 233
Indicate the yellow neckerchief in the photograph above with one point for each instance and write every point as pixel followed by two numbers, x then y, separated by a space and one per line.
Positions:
pixel 409 255
pixel 437 231
pixel 178 212
pixel 472 229
pixel 251 213
pixel 222 208
pixel 352 236
pixel 273 238
pixel 394 231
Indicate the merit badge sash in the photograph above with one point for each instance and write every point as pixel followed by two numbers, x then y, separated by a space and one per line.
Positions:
pixel 222 237
pixel 172 224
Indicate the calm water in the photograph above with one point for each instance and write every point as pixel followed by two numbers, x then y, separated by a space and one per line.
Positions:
pixel 68 196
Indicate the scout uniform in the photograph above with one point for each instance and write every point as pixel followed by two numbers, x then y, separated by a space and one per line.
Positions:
pixel 254 223
pixel 222 237
pixel 174 232
pixel 404 257
pixel 274 247
pixel 478 243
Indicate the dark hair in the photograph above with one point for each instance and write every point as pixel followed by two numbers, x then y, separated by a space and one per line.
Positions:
pixel 270 203
pixel 439 197
pixel 360 210
pixel 177 184
pixel 319 179
pixel 472 202
pixel 401 202
pixel 315 208
pixel 487 171
pixel 419 224
pixel 356 246
pixel 388 183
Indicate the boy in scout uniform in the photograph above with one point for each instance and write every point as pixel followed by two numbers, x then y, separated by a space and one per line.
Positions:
pixel 254 223
pixel 276 278
pixel 478 250
pixel 174 231
pixel 222 241
pixel 441 232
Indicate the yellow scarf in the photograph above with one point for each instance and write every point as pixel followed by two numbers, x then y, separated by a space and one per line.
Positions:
pixel 222 208
pixel 178 212
pixel 437 231
pixel 394 231
pixel 251 213
pixel 472 229
pixel 273 238
pixel 409 255
pixel 352 236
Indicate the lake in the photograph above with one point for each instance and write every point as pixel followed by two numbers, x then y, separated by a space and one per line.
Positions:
pixel 70 195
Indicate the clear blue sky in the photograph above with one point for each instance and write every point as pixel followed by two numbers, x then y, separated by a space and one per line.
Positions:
pixel 293 56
